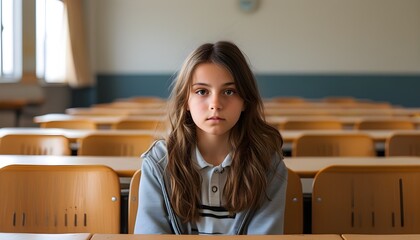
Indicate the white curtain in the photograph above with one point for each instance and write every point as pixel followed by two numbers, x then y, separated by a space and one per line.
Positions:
pixel 78 70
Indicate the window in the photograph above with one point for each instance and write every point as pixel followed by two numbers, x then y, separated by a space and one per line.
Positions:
pixel 10 40
pixel 51 41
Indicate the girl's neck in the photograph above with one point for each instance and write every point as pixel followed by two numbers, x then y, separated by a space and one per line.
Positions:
pixel 214 149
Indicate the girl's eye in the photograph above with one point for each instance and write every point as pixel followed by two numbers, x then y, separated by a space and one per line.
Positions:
pixel 200 92
pixel 229 92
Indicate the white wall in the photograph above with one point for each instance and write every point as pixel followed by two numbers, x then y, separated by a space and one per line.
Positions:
pixel 282 36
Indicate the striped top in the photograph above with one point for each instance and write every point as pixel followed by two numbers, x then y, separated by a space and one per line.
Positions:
pixel 214 218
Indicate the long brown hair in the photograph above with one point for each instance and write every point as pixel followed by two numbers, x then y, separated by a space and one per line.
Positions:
pixel 253 141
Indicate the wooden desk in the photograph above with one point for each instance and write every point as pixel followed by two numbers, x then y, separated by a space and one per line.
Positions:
pixel 74 134
pixel 379 136
pixel 123 166
pixel 288 135
pixel 348 122
pixel 103 121
pixel 39 236
pixel 342 112
pixel 376 135
pixel 15 105
pixel 308 167
pixel 305 167
pixel 115 111
pixel 381 237
pixel 225 237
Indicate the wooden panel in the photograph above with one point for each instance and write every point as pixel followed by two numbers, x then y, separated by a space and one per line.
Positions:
pixel 366 199
pixel 59 199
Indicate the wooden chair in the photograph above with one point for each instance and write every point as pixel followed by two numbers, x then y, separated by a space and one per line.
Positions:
pixel 139 124
pixel 385 125
pixel 31 144
pixel 293 216
pixel 133 202
pixel 142 99
pixel 69 124
pixel 59 199
pixel 293 223
pixel 311 145
pixel 289 100
pixel 340 99
pixel 366 200
pixel 311 125
pixel 402 144
pixel 114 145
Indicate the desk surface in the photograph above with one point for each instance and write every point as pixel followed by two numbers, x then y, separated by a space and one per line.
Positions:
pixel 376 135
pixel 115 111
pixel 308 167
pixel 101 120
pixel 201 237
pixel 347 121
pixel 12 104
pixel 38 236
pixel 109 117
pixel 341 111
pixel 123 166
pixel 75 134
pixel 381 237
pixel 288 135
pixel 305 167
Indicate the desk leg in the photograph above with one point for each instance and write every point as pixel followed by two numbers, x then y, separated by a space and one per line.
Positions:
pixel 18 114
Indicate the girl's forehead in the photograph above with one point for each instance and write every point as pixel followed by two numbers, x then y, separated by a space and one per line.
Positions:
pixel 211 74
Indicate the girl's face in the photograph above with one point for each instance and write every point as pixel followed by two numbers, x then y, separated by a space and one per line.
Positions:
pixel 214 102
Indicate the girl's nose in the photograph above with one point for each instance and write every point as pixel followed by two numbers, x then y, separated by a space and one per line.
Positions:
pixel 215 103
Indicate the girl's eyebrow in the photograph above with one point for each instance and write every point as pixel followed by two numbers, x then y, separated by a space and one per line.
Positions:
pixel 208 85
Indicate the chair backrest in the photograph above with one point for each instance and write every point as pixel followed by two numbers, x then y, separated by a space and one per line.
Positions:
pixel 293 216
pixel 69 124
pixel 311 124
pixel 289 99
pixel 385 125
pixel 133 200
pixel 59 199
pixel 340 99
pixel 114 145
pixel 312 145
pixel 31 144
pixel 366 199
pixel 400 144
pixel 142 99
pixel 293 223
pixel 139 124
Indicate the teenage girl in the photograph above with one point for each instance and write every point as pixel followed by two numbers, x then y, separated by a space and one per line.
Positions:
pixel 220 170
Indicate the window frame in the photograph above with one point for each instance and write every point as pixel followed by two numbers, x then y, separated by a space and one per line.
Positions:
pixel 41 46
pixel 16 74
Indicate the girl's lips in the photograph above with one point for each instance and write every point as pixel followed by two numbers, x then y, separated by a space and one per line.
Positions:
pixel 215 118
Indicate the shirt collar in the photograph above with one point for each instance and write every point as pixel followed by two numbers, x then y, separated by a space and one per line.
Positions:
pixel 201 163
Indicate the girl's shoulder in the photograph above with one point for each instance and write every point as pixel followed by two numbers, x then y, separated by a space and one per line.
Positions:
pixel 156 153
pixel 279 167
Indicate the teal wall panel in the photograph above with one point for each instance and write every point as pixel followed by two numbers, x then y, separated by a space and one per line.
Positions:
pixel 401 90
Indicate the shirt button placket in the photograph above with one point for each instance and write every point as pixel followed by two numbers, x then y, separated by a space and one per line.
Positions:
pixel 214 190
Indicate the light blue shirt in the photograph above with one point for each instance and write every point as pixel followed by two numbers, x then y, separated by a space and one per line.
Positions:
pixel 156 216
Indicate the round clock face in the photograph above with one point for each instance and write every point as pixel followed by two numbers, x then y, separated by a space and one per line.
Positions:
pixel 248 5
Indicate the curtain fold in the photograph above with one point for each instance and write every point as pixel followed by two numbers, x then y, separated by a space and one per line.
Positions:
pixel 78 71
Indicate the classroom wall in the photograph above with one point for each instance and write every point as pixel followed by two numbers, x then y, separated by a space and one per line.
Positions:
pixel 368 49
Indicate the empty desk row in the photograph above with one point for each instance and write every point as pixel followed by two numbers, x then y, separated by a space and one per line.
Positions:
pixel 88 236
pixel 135 142
pixel 346 199
pixel 107 119
pixel 57 142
